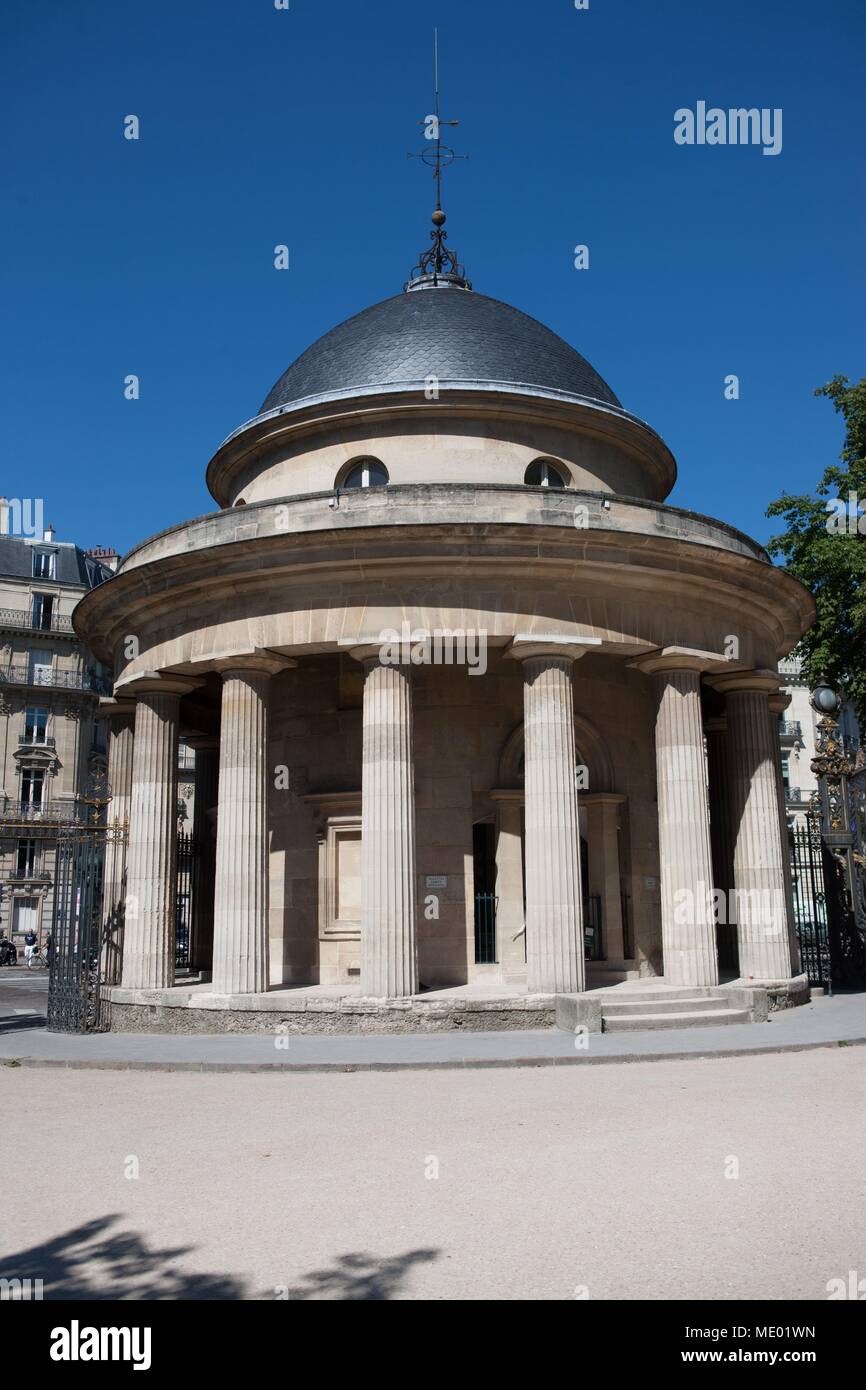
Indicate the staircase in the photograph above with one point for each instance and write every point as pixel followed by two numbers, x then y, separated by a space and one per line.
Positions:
pixel 624 1011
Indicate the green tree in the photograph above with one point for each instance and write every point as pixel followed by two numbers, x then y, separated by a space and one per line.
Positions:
pixel 825 548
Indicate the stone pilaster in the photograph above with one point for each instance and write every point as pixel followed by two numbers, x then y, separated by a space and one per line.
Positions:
pixel 688 927
pixel 510 933
pixel 603 825
pixel 389 965
pixel 240 911
pixel 760 862
pixel 151 880
pixel 554 896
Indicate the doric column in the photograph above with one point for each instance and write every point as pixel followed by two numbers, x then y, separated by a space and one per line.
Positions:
pixel 151 880
pixel 389 963
pixel 120 719
pixel 760 865
pixel 554 896
pixel 688 928
pixel 240 913
pixel 206 748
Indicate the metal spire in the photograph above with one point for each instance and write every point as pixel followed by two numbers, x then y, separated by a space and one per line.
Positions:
pixel 438 265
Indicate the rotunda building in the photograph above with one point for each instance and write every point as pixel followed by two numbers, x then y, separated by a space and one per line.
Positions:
pixel 473 708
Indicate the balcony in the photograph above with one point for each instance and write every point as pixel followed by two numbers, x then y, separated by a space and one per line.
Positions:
pixel 31 741
pixel 795 796
pixel 790 729
pixel 34 813
pixel 36 877
pixel 25 621
pixel 62 680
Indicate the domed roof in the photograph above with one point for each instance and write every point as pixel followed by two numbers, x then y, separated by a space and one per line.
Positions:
pixel 453 334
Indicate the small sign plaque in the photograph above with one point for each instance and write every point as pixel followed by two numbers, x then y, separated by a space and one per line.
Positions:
pixel 436 881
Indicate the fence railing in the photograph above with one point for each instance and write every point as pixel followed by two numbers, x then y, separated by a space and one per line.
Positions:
pixel 27 812
pixel 63 680
pixel 485 928
pixel 790 728
pixel 22 617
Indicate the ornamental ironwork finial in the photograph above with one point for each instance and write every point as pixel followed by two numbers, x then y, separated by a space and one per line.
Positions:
pixel 438 266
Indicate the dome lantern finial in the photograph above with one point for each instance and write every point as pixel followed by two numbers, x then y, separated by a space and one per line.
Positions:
pixel 438 266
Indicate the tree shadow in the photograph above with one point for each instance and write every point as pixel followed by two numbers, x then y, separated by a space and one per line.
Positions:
pixel 91 1262
pixel 360 1276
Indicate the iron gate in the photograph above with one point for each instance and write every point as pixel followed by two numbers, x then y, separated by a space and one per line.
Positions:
pixel 810 900
pixel 86 924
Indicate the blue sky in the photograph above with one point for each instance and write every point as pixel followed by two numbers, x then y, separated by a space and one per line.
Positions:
pixel 261 127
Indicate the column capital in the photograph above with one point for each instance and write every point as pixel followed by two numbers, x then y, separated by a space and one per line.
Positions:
pixel 110 708
pixel 257 661
pixel 363 649
pixel 679 659
pixel 526 645
pixel 753 682
pixel 155 683
pixel 201 741
pixel 780 702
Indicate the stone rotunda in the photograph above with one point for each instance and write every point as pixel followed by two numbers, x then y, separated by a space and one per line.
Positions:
pixel 476 715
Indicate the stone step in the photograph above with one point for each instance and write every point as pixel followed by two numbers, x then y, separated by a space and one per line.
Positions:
pixel 635 1023
pixel 649 994
pixel 614 1008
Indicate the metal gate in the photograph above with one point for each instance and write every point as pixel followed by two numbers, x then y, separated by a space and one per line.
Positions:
pixel 186 863
pixel 810 899
pixel 86 924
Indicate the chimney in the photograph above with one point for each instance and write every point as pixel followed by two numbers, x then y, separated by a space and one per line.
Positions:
pixel 106 556
pixel 49 534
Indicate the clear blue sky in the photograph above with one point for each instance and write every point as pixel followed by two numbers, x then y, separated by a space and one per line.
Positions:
pixel 259 127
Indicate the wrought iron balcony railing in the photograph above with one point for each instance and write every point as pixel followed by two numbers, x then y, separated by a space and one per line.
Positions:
pixel 34 813
pixel 64 680
pixel 790 728
pixel 33 742
pixel 38 876
pixel 796 794
pixel 22 617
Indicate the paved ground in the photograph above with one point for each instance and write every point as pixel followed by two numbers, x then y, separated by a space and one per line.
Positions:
pixel 23 1037
pixel 613 1180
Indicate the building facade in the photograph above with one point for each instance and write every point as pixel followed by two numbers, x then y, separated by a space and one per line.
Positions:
pixel 450 664
pixel 50 686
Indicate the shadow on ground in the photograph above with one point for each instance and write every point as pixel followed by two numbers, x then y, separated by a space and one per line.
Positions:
pixel 360 1277
pixel 93 1262
pixel 20 1023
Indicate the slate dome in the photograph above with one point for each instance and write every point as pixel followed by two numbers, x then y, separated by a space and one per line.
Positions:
pixel 454 334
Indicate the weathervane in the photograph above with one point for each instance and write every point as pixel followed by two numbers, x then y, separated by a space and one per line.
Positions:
pixel 438 265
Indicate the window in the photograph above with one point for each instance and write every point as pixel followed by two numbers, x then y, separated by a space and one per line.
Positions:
pixel 32 786
pixel 35 724
pixel 43 564
pixel 366 473
pixel 43 611
pixel 543 473
pixel 26 859
pixel 40 663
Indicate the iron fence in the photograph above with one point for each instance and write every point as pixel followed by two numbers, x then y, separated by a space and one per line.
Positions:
pixel 485 928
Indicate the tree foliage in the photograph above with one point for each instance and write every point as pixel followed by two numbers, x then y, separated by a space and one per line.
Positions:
pixel 824 546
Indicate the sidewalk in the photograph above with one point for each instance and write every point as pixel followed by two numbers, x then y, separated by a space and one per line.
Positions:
pixel 821 1023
